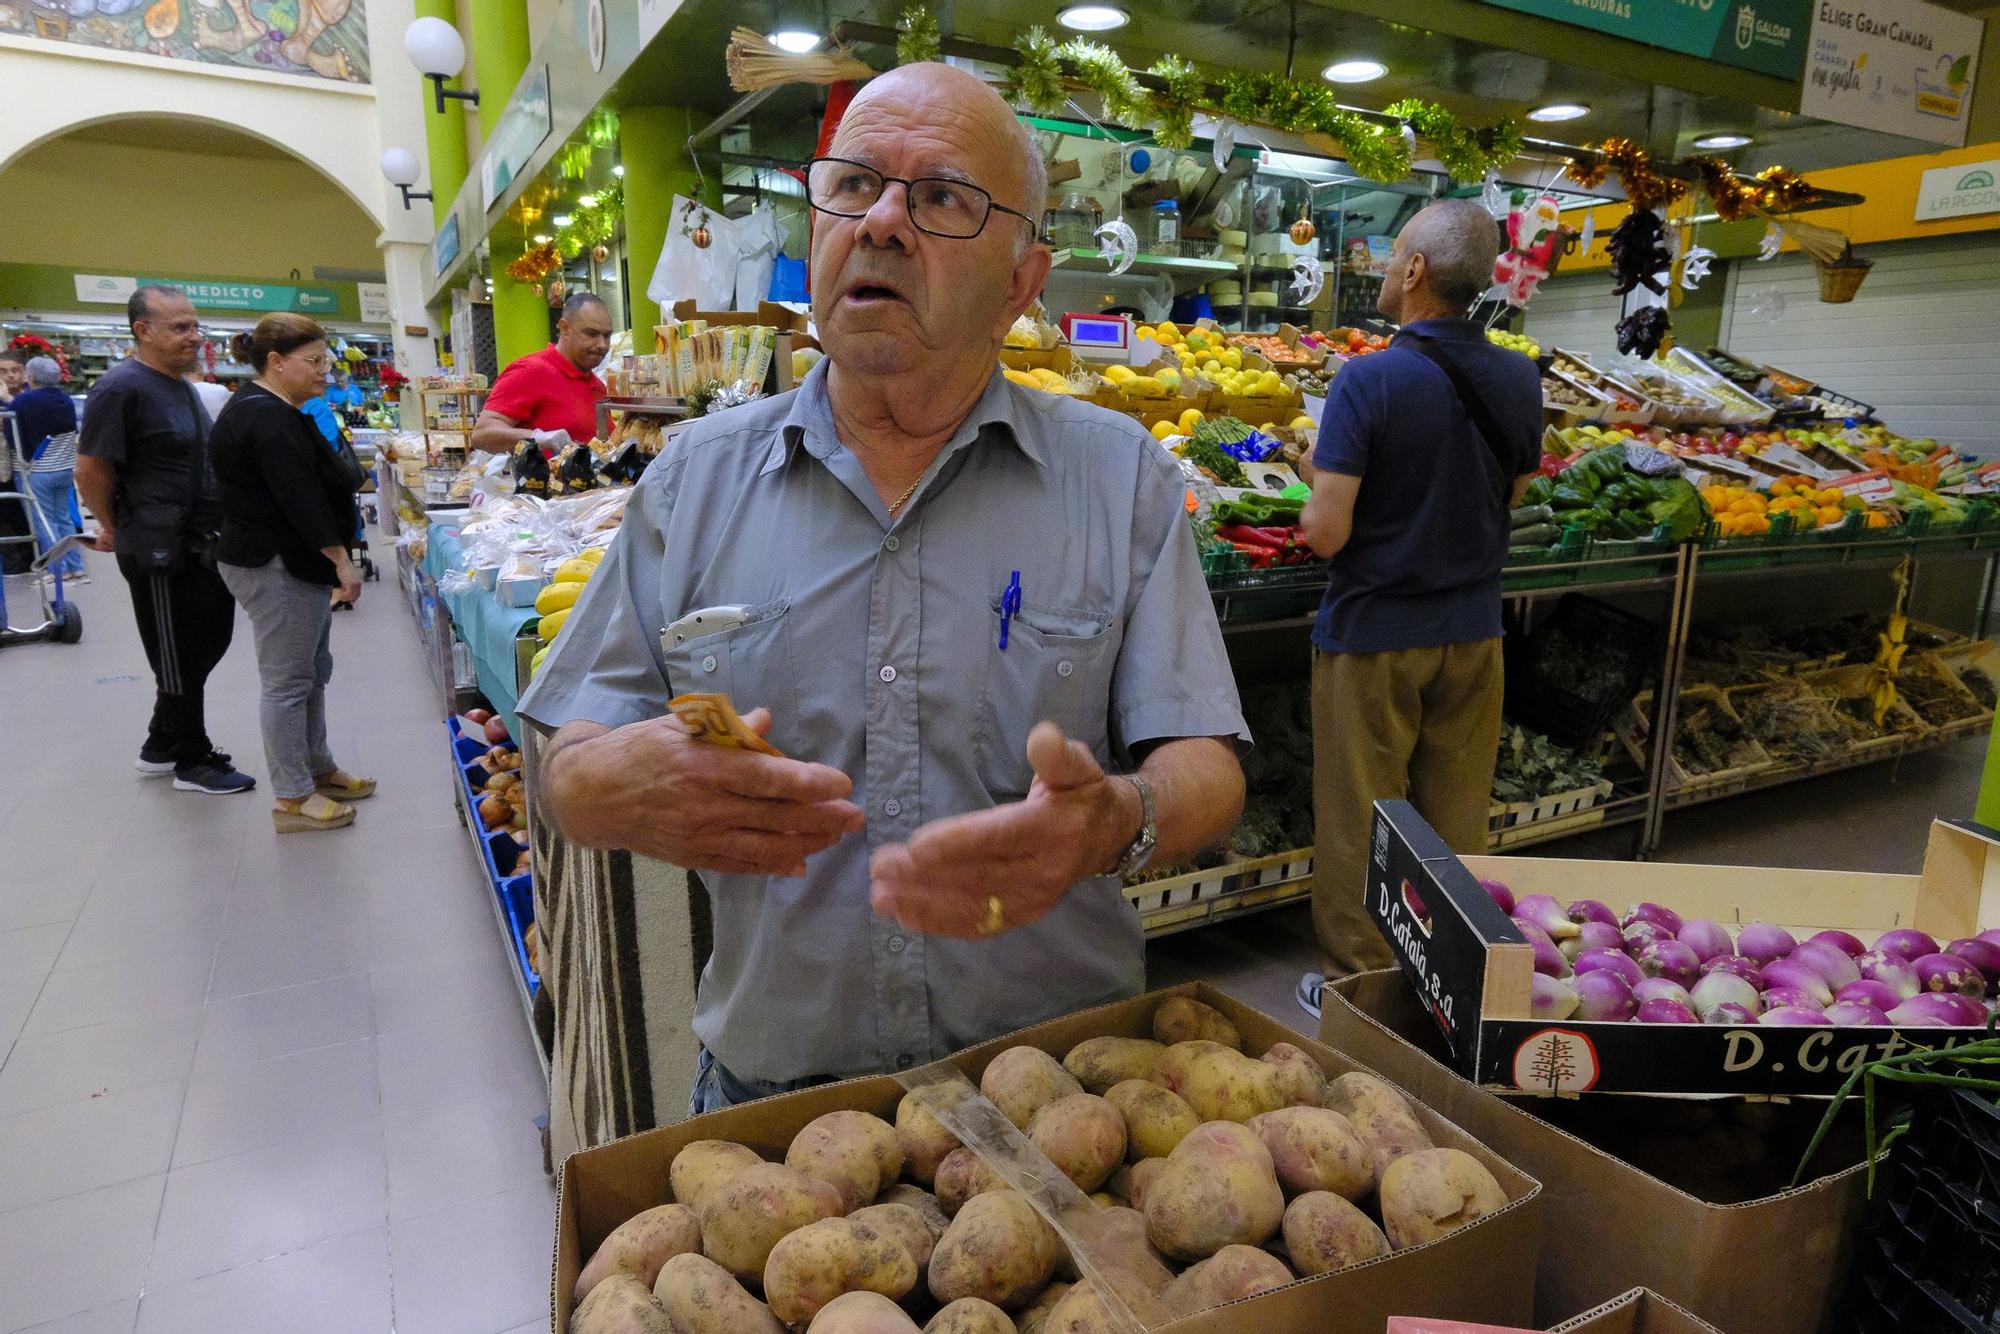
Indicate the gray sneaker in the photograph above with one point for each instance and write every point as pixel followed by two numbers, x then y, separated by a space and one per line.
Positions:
pixel 1309 992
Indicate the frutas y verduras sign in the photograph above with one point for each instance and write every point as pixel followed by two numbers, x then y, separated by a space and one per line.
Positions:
pixel 1767 36
pixel 1904 67
pixel 1957 192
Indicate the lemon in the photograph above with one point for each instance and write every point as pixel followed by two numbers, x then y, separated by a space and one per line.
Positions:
pixel 1232 358
pixel 1190 419
pixel 1162 429
pixel 1302 423
pixel 1120 374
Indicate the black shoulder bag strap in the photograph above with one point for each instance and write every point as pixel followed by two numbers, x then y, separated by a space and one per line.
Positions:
pixel 1469 399
pixel 199 471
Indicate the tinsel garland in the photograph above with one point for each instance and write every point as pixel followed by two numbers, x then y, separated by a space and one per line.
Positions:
pixel 1465 153
pixel 1174 104
pixel 1038 79
pixel 1099 69
pixel 917 36
pixel 1775 189
pixel 534 264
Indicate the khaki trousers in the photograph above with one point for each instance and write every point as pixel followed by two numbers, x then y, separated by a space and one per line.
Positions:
pixel 1421 724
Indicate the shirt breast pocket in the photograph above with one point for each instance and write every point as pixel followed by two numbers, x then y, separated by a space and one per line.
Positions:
pixel 1057 667
pixel 749 663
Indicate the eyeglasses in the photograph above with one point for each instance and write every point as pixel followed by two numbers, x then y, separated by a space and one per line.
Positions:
pixel 318 363
pixel 182 327
pixel 938 205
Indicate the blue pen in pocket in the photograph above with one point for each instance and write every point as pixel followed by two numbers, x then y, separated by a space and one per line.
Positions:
pixel 1010 606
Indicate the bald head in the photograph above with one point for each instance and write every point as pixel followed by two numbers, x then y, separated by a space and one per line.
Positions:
pixel 1458 241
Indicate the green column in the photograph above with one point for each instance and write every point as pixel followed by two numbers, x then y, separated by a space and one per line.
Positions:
pixel 444 135
pixel 499 42
pixel 652 146
pixel 1988 811
pixel 520 319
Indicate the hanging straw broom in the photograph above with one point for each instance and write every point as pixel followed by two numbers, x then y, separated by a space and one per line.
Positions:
pixel 1840 269
pixel 754 63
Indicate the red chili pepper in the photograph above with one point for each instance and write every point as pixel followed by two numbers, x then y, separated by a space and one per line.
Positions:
pixel 1243 534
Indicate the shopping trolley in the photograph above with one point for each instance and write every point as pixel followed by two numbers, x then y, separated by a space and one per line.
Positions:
pixel 62 620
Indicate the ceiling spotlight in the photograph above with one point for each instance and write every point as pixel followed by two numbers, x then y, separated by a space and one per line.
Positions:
pixel 1093 18
pixel 619 170
pixel 562 220
pixel 1721 141
pixel 588 201
pixel 1355 71
pixel 543 240
pixel 1556 111
pixel 796 41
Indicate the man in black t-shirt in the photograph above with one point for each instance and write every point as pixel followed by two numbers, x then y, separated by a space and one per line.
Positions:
pixel 143 468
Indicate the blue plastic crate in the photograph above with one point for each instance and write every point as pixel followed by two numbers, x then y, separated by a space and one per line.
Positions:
pixel 502 850
pixel 517 897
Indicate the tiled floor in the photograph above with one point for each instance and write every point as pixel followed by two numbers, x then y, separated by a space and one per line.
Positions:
pixel 250 1084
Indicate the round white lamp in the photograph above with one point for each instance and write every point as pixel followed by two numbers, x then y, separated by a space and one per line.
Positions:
pixel 438 52
pixel 400 169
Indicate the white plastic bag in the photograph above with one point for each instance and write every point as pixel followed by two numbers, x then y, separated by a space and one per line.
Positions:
pixel 706 276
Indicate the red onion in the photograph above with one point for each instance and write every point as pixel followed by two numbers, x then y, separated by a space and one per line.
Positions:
pixel 1846 1013
pixel 1500 894
pixel 1549 960
pixel 1906 941
pixel 1663 1011
pixel 1878 994
pixel 1763 942
pixel 1551 998
pixel 1641 934
pixel 1851 946
pixel 1720 988
pixel 1708 939
pixel 1747 969
pixel 1670 959
pixel 1990 937
pixel 1546 913
pixel 1782 998
pixel 1592 936
pixel 1948 972
pixel 1610 960
pixel 1665 918
pixel 1892 970
pixel 1590 910
pixel 1981 954
pixel 1829 961
pixel 1729 1012
pixel 1416 901
pixel 1603 994
pixel 1786 1016
pixel 1796 973
pixel 1939 1009
pixel 1661 988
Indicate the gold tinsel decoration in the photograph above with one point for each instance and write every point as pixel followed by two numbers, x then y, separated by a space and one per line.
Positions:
pixel 1774 190
pixel 754 63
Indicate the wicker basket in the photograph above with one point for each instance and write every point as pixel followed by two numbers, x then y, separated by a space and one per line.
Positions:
pixel 1839 281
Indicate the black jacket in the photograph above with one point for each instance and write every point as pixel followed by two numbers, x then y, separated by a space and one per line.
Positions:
pixel 284 491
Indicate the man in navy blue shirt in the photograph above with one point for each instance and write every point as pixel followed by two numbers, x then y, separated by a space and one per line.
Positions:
pixel 1422 449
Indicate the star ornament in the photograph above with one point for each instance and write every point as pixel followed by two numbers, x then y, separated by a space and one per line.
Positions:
pixel 1695 267
pixel 1308 277
pixel 1119 244
pixel 1773 242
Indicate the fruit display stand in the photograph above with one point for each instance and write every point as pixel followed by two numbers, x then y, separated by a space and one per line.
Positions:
pixel 510 892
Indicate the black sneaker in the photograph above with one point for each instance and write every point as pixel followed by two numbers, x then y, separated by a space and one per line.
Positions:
pixel 209 776
pixel 158 764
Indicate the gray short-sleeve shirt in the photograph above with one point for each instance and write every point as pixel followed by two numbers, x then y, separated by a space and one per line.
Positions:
pixel 875 644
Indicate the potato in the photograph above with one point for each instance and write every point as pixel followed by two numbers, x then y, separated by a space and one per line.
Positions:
pixel 1324 1232
pixel 925 1203
pixel 1021 1080
pixel 962 1175
pixel 1358 1091
pixel 641 1244
pixel 1218 1188
pixel 1034 1317
pixel 1098 1063
pixel 1140 1180
pixel 1083 1135
pixel 1220 1083
pixel 1232 1272
pixel 862 1313
pixel 969 1315
pixel 1304 1084
pixel 620 1304
pixel 1431 1192
pixel 1083 1309
pixel 1156 1118
pixel 923 1138
pixel 1117 1237
pixel 1182 1020
pixel 1316 1149
pixel 1380 1116
pixel 855 1153
pixel 1104 1199
pixel 705 1164
pixel 905 1225
pixel 745 1216
pixel 998 1249
pixel 700 1297
pixel 812 1266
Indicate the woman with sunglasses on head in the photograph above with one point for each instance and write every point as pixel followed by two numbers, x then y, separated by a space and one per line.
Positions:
pixel 287 506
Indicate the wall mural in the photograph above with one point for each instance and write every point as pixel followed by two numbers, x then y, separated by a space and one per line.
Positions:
pixel 324 38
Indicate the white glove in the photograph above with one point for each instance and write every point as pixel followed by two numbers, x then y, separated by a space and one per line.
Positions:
pixel 556 441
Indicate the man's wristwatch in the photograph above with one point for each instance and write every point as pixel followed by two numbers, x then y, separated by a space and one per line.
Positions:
pixel 1140 850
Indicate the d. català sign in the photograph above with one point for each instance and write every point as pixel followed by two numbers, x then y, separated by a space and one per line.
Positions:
pixel 1957 192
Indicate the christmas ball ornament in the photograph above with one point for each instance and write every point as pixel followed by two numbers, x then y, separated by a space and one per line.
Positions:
pixel 600 252
pixel 536 288
pixel 556 290
pixel 701 237
pixel 1303 231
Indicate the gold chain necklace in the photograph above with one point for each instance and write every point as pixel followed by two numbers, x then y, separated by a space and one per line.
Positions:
pixel 904 499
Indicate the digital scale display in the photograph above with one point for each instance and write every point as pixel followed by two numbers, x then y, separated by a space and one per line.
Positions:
pixel 1110 333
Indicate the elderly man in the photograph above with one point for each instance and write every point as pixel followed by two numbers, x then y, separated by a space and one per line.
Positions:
pixel 13 374
pixel 1421 451
pixel 552 392
pixel 963 611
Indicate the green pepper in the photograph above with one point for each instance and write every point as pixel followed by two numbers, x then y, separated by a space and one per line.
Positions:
pixel 1570 497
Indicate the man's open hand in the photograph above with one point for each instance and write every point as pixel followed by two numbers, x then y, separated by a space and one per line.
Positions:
pixel 1071 826
pixel 651 788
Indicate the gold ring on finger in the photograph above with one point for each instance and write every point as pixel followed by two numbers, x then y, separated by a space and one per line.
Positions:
pixel 996 917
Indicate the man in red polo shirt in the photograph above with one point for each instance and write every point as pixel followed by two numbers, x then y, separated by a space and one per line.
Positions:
pixel 555 389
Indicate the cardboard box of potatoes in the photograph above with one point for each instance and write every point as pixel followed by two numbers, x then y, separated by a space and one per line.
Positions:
pixel 1176 1162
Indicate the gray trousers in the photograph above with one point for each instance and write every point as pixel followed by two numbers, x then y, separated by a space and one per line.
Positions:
pixel 291 620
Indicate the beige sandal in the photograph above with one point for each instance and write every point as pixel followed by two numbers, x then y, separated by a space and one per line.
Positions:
pixel 352 789
pixel 315 812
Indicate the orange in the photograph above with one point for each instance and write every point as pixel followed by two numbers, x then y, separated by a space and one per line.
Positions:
pixel 1830 515
pixel 1756 525
pixel 1877 519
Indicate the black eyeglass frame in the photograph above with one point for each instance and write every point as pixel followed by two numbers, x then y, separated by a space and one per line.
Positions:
pixel 909 185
